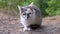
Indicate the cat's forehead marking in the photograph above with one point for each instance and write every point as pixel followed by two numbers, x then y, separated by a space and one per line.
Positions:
pixel 28 10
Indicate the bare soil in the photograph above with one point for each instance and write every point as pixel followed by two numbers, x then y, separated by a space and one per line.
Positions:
pixel 11 25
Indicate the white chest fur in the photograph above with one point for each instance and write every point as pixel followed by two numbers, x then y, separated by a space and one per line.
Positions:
pixel 26 22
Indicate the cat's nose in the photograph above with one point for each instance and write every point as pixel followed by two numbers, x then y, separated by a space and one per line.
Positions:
pixel 28 16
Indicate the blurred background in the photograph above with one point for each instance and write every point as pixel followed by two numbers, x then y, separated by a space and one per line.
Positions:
pixel 48 7
pixel 10 22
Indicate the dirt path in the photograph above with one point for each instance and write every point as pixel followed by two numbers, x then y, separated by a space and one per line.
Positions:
pixel 11 25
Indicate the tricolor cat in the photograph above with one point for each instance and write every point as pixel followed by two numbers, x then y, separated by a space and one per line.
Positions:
pixel 30 17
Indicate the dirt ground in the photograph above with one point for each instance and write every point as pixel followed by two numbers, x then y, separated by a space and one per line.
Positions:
pixel 11 25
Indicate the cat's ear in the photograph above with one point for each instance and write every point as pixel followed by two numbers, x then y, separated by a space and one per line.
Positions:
pixel 31 5
pixel 20 8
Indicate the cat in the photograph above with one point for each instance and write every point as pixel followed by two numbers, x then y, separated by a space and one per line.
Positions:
pixel 30 17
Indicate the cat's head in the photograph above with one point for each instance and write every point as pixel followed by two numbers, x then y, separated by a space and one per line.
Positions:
pixel 26 11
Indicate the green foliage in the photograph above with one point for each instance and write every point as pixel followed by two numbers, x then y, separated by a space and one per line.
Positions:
pixel 48 7
pixel 54 7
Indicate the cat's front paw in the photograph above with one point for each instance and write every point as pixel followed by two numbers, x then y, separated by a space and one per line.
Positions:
pixel 29 29
pixel 26 29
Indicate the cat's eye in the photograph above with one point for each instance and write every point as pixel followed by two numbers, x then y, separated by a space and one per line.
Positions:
pixel 24 14
pixel 25 9
pixel 29 13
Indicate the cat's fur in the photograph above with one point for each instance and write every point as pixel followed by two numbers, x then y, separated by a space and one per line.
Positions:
pixel 30 17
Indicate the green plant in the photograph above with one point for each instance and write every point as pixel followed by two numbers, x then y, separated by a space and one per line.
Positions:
pixel 53 7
